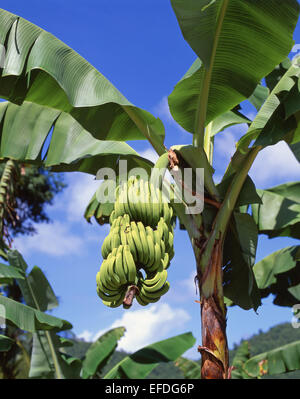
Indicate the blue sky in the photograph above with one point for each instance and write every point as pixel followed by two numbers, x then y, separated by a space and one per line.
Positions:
pixel 138 46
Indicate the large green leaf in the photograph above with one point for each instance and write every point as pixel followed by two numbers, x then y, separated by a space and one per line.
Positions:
pixel 279 274
pixel 141 363
pixel 274 77
pixel 189 368
pixel 226 120
pixel 7 273
pixel 25 129
pixel 248 194
pixel 238 43
pixel 277 361
pixel 38 296
pixel 48 362
pixel 100 352
pixel 36 289
pixel 42 289
pixel 290 191
pixel 239 257
pixel 259 96
pixel 30 319
pixel 272 123
pixel 40 68
pixel 279 213
pixel 5 343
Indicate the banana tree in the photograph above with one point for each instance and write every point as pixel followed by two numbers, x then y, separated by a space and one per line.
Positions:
pixel 54 93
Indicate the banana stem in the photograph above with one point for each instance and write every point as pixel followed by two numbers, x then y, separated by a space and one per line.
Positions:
pixel 4 189
pixel 211 154
pixel 208 143
pixel 214 349
pixel 227 207
pixel 131 292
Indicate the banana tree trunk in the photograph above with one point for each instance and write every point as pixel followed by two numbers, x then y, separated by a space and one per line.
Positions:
pixel 214 349
pixel 6 194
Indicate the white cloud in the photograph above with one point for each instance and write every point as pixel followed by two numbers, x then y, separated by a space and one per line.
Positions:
pixel 75 198
pixel 53 239
pixel 86 335
pixel 275 165
pixel 146 326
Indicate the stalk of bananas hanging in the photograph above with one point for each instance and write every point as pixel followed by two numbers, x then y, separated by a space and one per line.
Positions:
pixel 139 247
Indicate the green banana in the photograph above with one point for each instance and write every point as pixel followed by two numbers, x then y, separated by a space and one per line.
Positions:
pixel 170 241
pixel 131 244
pixel 151 251
pixel 143 216
pixel 130 265
pixel 111 272
pixel 166 234
pixel 116 303
pixel 137 241
pixel 108 298
pixel 106 246
pixel 166 260
pixel 112 217
pixel 166 213
pixel 157 259
pixel 119 268
pixel 143 237
pixel 160 228
pixel 126 204
pixel 141 301
pixel 154 205
pixel 156 282
pixel 148 205
pixel 147 299
pixel 132 202
pixel 157 294
pixel 163 246
pixel 150 232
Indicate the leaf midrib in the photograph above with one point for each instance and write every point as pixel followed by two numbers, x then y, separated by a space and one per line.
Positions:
pixel 204 92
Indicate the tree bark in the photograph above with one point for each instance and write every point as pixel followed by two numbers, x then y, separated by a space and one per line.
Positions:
pixel 214 349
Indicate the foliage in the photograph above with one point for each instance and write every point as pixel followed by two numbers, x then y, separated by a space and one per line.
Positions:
pixel 277 337
pixel 34 188
pixel 55 94
pixel 278 274
pixel 140 363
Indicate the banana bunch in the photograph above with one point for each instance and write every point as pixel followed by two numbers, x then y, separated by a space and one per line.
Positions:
pixel 140 238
